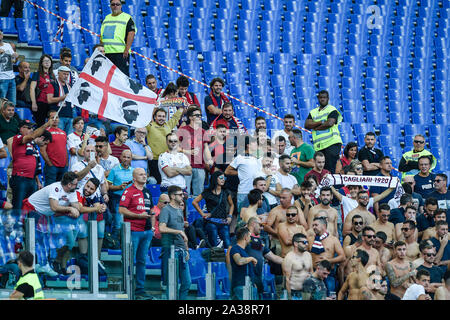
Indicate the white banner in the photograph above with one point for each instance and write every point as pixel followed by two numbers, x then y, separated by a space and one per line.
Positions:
pixel 105 90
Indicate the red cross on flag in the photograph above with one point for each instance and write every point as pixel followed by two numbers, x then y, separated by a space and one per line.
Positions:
pixel 105 90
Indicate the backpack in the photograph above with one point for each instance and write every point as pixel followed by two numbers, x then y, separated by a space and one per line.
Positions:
pixel 214 254
pixel 110 242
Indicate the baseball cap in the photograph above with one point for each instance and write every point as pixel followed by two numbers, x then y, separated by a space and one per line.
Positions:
pixel 27 123
pixel 63 68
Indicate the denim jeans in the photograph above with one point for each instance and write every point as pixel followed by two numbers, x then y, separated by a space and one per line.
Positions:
pixel 21 188
pixel 184 274
pixel 237 293
pixel 141 243
pixel 241 197
pixel 8 90
pixel 53 174
pixel 223 231
pixel 65 124
pixel 198 182
pixel 117 218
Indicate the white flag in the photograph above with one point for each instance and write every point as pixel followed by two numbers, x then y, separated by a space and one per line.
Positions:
pixel 105 90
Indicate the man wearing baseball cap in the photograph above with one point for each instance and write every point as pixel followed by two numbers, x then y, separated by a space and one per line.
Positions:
pixel 56 99
pixel 26 160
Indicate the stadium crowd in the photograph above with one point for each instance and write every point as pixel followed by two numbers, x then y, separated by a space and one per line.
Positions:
pixel 258 194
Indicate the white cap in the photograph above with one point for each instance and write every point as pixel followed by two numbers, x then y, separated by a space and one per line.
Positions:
pixel 63 68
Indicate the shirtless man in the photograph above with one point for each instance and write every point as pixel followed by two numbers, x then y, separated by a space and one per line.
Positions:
pixel 325 197
pixel 443 293
pixel 410 214
pixel 373 286
pixel 304 201
pixel 361 209
pixel 357 279
pixel 412 247
pixel 324 246
pixel 288 228
pixel 357 226
pixel 382 223
pixel 384 253
pixel 297 266
pixel 255 202
pixel 278 215
pixel 399 271
pixel 439 215
pixel 368 239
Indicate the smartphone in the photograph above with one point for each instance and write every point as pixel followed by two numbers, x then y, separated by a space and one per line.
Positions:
pixel 92 156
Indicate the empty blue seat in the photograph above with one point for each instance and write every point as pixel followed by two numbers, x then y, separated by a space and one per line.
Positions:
pixel 392 129
pixel 376 117
pixel 401 118
pixel 353 117
pixel 413 129
pixel 421 118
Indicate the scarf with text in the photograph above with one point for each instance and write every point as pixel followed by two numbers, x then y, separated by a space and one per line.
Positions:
pixel 317 246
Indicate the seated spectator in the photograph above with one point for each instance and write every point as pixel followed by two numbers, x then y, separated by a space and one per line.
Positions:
pixel 194 144
pixel 350 153
pixel 56 99
pixel 409 163
pixel 440 242
pixel 370 156
pixel 9 121
pixel 118 145
pixel 23 81
pixel 182 85
pixel 441 192
pixel 220 208
pixel 173 165
pixel 55 153
pixel 141 151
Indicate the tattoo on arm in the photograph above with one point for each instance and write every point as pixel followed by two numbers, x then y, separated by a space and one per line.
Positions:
pixel 395 281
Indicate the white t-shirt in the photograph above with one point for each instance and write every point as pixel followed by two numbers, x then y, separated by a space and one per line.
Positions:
pixel 283 133
pixel 98 171
pixel 178 160
pixel 413 292
pixel 273 186
pixel 1 144
pixel 41 199
pixel 286 181
pixel 247 168
pixel 6 62
pixel 74 141
pixel 109 163
pixel 348 204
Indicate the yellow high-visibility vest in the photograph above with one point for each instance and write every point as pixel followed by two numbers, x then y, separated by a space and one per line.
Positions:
pixel 113 32
pixel 324 138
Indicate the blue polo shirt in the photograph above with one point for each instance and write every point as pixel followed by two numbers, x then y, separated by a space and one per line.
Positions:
pixel 119 175
pixel 139 150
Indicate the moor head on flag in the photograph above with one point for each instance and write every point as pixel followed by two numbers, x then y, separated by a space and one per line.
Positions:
pixel 84 93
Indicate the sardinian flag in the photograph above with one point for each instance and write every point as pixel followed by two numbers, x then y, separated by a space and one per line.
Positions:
pixel 59 33
pixel 105 90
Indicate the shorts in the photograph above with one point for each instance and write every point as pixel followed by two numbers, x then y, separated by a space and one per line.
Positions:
pixel 84 230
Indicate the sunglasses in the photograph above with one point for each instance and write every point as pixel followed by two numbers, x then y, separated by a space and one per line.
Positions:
pixel 166 202
pixel 430 254
pixel 438 180
pixel 405 229
pixel 99 147
pixel 371 236
pixel 358 223
pixel 178 194
pixel 173 141
pixel 197 115
pixel 358 168
pixel 291 214
pixel 115 4
pixel 385 215
pixel 418 141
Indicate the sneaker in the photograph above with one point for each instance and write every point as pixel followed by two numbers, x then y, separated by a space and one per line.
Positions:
pixel 202 243
pixel 144 296
pixel 58 268
pixel 46 269
pixel 220 244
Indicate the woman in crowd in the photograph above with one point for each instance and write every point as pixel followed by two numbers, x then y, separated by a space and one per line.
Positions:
pixel 350 153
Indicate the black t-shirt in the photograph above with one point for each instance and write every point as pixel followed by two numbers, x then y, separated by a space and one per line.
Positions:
pixel 373 156
pixel 208 101
pixel 334 115
pixel 26 289
pixel 66 110
pixel 216 205
pixel 25 94
pixel 257 250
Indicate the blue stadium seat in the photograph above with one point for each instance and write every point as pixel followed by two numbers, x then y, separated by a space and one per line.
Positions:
pixel 413 129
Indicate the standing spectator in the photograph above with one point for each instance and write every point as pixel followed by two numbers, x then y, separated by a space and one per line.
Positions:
pixel 323 121
pixel 398 214
pixel 170 102
pixel 215 100
pixel 55 153
pixel 283 178
pixel 417 291
pixel 28 285
pixel 443 293
pixel 107 161
pixel 65 59
pixel 8 57
pixel 173 165
pixel 222 148
pixel 426 219
pixel 182 85
pixel 436 273
pixel 302 155
pixel 370 156
pixel 439 215
pixel 194 144
pixel 117 35
pixel 319 164
pixel 382 224
pixel 56 99
pixel 135 206
pixel 409 164
pixel 259 183
pixel 385 163
pixel 424 179
pixel 3 153
pixel 157 130
pixel 289 122
pixel 440 242
pixel 77 142
pixel 40 87
pixel 220 208
pixel 242 264
pixel 171 226
pixel 119 178
pixel 288 228
pixel 314 287
pixel 150 81
pixel 441 192
pixel 399 271
pixel 162 202
pixel 228 118
pixel 270 185
pixel 23 82
pixel 350 153
pixel 9 121
pixel 352 237
pixel 6 8
pixel 25 162
pixel 141 151
pixel 118 145
pixel 245 167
